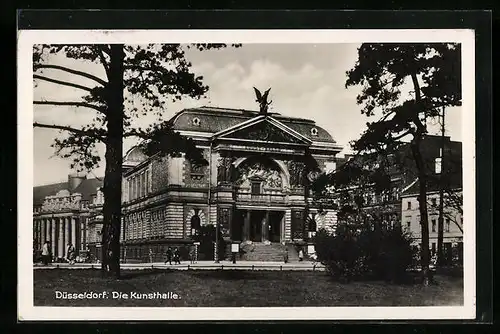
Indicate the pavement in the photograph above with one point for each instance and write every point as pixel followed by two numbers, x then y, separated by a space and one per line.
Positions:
pixel 200 265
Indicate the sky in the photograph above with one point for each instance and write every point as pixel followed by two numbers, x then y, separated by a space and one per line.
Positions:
pixel 306 80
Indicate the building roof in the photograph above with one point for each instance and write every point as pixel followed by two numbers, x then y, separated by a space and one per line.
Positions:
pixel 40 192
pixel 213 120
pixel 87 188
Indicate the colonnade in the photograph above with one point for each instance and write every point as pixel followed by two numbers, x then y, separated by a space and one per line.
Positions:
pixel 58 231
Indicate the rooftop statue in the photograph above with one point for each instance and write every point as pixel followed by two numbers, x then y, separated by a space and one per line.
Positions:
pixel 262 101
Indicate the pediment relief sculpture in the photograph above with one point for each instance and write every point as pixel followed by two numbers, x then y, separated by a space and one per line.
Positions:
pixel 268 174
pixel 264 131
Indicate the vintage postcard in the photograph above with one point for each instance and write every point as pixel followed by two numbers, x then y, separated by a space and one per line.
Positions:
pixel 246 175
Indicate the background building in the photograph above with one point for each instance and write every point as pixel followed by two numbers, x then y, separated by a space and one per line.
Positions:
pixel 443 167
pixel 60 214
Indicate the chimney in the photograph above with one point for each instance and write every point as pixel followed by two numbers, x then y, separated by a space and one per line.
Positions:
pixel 74 180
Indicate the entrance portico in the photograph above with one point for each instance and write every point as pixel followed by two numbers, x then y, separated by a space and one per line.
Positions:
pixel 258 225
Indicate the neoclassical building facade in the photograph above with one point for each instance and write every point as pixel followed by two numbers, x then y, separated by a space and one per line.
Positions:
pixel 61 212
pixel 255 185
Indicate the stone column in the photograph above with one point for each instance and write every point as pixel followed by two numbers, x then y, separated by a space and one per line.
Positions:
pixel 60 239
pixel 39 232
pixel 42 231
pixel 35 233
pixel 53 243
pixel 67 232
pixel 73 231
pixel 82 231
pixel 246 226
pixel 47 230
pixel 265 230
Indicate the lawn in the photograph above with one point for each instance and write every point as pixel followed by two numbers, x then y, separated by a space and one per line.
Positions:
pixel 232 288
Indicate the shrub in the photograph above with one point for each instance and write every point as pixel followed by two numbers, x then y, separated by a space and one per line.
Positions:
pixel 355 253
pixel 395 256
pixel 340 253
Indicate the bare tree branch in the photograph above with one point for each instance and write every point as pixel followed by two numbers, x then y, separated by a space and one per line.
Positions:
pixel 72 71
pixel 60 82
pixel 404 134
pixel 89 133
pixel 100 52
pixel 71 103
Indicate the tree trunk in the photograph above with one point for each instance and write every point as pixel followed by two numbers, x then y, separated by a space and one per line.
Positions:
pixel 113 174
pixel 422 199
pixel 422 180
pixel 440 255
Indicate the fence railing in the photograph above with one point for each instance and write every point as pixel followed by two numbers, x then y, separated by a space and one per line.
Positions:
pixel 260 198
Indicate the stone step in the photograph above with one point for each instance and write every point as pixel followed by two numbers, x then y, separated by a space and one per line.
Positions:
pixel 265 252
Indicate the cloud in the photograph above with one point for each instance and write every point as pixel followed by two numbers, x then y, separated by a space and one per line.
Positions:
pixel 305 81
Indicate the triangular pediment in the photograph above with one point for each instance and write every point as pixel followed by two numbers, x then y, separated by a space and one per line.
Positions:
pixel 265 129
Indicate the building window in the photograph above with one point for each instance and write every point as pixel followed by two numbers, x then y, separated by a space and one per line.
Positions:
pixel 434 201
pixel 408 226
pixel 447 226
pixel 255 188
pixel 433 249
pixel 134 181
pixel 143 184
pixel 196 121
pixel 408 207
pixel 314 132
pixel 438 165
pixel 197 171
pixel 433 225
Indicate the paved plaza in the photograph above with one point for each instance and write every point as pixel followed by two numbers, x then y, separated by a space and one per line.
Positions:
pixel 200 265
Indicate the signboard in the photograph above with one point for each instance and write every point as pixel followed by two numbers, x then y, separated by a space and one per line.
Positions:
pixel 310 249
pixel 235 248
pixel 196 243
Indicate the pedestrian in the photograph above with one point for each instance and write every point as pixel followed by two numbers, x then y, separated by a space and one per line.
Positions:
pixel 45 253
pixel 285 256
pixel 169 255
pixel 192 254
pixel 301 255
pixel 177 257
pixel 70 253
pixel 88 256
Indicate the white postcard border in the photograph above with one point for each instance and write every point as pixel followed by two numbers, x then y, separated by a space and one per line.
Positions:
pixel 26 40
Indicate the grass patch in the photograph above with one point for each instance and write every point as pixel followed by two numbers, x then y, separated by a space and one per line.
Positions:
pixel 236 288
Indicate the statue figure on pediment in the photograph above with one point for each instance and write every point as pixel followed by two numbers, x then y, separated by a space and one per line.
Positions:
pixel 221 174
pixel 262 100
pixel 224 169
pixel 228 168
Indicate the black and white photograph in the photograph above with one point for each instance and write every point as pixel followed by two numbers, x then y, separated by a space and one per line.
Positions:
pixel 264 175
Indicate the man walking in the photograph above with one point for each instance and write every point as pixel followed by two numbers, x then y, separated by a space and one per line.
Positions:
pixel 169 255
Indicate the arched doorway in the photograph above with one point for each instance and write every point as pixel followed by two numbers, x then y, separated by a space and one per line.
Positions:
pixel 261 186
pixel 195 224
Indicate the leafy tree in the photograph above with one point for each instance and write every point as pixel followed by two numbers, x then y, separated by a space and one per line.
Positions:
pixel 151 74
pixel 433 73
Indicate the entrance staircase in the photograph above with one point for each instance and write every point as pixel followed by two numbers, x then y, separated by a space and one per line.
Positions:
pixel 273 252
